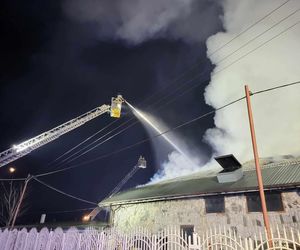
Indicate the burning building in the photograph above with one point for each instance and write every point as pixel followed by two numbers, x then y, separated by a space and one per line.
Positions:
pixel 229 198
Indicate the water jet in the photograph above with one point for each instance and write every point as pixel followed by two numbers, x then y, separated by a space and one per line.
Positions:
pixel 144 117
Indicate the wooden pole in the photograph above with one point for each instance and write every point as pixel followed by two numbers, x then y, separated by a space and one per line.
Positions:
pixel 258 169
pixel 20 200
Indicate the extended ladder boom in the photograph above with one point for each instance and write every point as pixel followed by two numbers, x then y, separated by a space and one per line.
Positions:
pixel 24 148
pixel 97 210
pixel 140 164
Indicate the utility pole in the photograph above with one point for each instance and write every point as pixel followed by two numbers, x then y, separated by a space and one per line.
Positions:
pixel 258 169
pixel 20 200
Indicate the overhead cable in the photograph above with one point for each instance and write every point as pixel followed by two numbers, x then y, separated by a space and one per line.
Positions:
pixel 249 27
pixel 87 139
pixel 71 211
pixel 202 73
pixel 241 57
pixel 62 192
pixel 238 59
pixel 64 211
pixel 75 155
pixel 259 35
pixel 261 45
pixel 160 134
pixel 224 45
pixel 13 179
pixel 167 131
pixel 235 61
pixel 67 159
pixel 274 88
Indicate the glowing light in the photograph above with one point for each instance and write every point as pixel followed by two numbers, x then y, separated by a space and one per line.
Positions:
pixel 11 170
pixel 86 218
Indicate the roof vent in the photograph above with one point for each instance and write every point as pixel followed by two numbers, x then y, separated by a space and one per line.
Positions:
pixel 232 170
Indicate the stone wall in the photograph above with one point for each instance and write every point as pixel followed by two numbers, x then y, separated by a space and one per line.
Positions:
pixel 157 215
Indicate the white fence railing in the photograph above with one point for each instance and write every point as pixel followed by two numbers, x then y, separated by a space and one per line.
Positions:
pixel 170 238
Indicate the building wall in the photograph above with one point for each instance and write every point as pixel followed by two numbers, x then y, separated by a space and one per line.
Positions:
pixel 157 215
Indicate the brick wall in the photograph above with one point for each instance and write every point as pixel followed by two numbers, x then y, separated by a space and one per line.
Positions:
pixel 157 215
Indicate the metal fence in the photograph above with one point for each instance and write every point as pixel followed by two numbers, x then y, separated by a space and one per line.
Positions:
pixel 170 238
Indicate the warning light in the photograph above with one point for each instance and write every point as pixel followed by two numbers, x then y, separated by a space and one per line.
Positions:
pixel 86 218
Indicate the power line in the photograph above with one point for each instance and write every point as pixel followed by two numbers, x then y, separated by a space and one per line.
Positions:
pixel 71 157
pixel 182 85
pixel 157 135
pixel 259 35
pixel 274 88
pixel 196 85
pixel 261 45
pixel 249 27
pixel 103 136
pixel 93 142
pixel 88 138
pixel 62 211
pixel 224 45
pixel 167 131
pixel 71 211
pixel 122 149
pixel 234 38
pixel 237 60
pixel 148 139
pixel 244 45
pixel 62 192
pixel 186 91
pixel 53 188
pixel 251 51
pixel 107 139
pixel 143 141
pixel 78 151
pixel 14 179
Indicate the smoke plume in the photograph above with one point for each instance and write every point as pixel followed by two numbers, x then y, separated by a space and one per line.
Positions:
pixel 135 21
pixel 276 113
pixel 180 162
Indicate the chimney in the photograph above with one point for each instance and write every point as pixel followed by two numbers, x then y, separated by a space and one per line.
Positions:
pixel 232 170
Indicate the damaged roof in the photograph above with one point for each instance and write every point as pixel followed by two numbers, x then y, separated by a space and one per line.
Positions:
pixel 283 174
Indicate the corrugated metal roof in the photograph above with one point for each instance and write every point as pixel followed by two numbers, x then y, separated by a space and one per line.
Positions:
pixel 275 175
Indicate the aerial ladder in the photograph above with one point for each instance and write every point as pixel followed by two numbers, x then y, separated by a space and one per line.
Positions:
pixel 140 165
pixel 19 150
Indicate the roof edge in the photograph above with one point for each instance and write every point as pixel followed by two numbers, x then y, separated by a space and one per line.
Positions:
pixel 188 196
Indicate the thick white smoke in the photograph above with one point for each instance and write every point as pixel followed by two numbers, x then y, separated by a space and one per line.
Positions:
pixel 276 113
pixel 178 163
pixel 175 166
pixel 135 21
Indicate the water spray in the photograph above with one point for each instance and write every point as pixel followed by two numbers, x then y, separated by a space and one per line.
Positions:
pixel 144 117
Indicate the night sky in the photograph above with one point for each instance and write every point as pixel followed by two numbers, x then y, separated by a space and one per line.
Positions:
pixel 53 68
